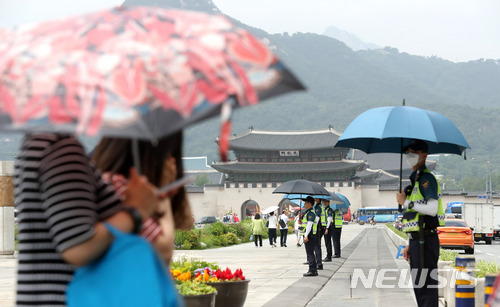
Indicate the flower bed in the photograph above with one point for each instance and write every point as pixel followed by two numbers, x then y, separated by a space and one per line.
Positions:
pixel 194 276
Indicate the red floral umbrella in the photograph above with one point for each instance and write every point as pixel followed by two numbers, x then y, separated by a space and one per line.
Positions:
pixel 141 72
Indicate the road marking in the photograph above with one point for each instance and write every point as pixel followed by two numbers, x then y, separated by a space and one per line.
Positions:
pixel 490 254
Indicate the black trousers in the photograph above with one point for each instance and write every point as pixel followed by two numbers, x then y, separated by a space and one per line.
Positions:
pixel 328 242
pixel 425 281
pixel 272 236
pixel 336 233
pixel 311 258
pixel 259 237
pixel 283 235
pixel 317 248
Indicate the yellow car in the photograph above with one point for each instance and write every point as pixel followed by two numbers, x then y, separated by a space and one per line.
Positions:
pixel 456 234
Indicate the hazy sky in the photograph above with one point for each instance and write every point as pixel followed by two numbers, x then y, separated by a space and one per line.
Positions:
pixel 457 30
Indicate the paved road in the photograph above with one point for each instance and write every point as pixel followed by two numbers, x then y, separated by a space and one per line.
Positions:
pixel 483 251
pixel 276 273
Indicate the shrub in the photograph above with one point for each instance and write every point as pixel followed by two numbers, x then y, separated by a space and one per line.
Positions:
pixel 484 267
pixel 217 229
pixel 231 238
pixel 215 241
pixel 187 245
pixel 399 233
pixel 446 255
pixel 223 241
pixel 187 236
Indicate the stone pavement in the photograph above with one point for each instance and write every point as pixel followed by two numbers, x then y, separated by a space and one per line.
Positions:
pixel 276 273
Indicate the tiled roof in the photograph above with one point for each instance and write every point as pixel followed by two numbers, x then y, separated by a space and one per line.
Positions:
pixel 195 163
pixel 258 167
pixel 213 176
pixel 285 140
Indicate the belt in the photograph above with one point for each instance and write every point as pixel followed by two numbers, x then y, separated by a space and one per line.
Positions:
pixel 415 235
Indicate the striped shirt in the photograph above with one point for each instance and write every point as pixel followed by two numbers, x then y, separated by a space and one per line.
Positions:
pixel 59 197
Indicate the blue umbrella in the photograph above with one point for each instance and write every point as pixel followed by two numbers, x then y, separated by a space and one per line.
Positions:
pixel 345 202
pixel 389 129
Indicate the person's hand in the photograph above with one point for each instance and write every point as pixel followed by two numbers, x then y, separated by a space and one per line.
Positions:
pixel 306 239
pixel 141 194
pixel 401 198
pixel 326 231
pixel 406 252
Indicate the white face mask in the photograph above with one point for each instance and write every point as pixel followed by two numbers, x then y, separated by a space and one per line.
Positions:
pixel 412 159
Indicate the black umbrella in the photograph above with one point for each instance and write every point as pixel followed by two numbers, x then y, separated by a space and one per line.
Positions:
pixel 301 187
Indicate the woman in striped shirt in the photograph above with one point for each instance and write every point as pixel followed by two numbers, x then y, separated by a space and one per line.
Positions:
pixel 62 204
pixel 161 163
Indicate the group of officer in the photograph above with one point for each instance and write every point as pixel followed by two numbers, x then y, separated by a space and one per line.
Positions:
pixel 320 220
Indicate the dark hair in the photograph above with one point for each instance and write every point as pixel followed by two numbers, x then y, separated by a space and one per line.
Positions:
pixel 257 216
pixel 271 213
pixel 115 155
pixel 417 145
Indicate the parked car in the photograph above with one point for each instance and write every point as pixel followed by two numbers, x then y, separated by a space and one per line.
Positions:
pixel 456 234
pixel 398 223
pixel 204 221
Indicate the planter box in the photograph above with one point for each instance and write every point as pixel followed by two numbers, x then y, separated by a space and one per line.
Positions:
pixel 441 268
pixel 230 293
pixel 202 300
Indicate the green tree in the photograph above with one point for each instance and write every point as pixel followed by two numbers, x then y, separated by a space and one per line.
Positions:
pixel 201 180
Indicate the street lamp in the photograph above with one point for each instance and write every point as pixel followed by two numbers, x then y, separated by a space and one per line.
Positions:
pixel 489 196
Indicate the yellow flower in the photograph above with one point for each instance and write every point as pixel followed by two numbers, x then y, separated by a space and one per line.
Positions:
pixel 175 273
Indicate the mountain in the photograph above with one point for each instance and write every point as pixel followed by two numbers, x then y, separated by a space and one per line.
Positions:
pixel 195 5
pixel 342 83
pixel 351 40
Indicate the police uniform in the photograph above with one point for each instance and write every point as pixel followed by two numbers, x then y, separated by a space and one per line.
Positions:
pixel 309 216
pixel 319 210
pixel 328 236
pixel 424 186
pixel 337 231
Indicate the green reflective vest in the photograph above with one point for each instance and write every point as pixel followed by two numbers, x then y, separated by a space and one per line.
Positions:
pixel 309 215
pixel 339 219
pixel 319 209
pixel 410 218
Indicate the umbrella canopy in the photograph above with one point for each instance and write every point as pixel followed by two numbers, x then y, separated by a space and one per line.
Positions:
pixel 270 209
pixel 301 187
pixel 389 129
pixel 333 198
pixel 345 202
pixel 141 72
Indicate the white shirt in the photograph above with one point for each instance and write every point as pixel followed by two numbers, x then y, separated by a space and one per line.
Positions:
pixel 273 220
pixel 284 218
pixel 296 224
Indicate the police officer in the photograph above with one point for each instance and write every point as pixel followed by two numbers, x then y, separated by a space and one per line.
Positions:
pixel 309 228
pixel 424 213
pixel 319 210
pixel 329 229
pixel 338 217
